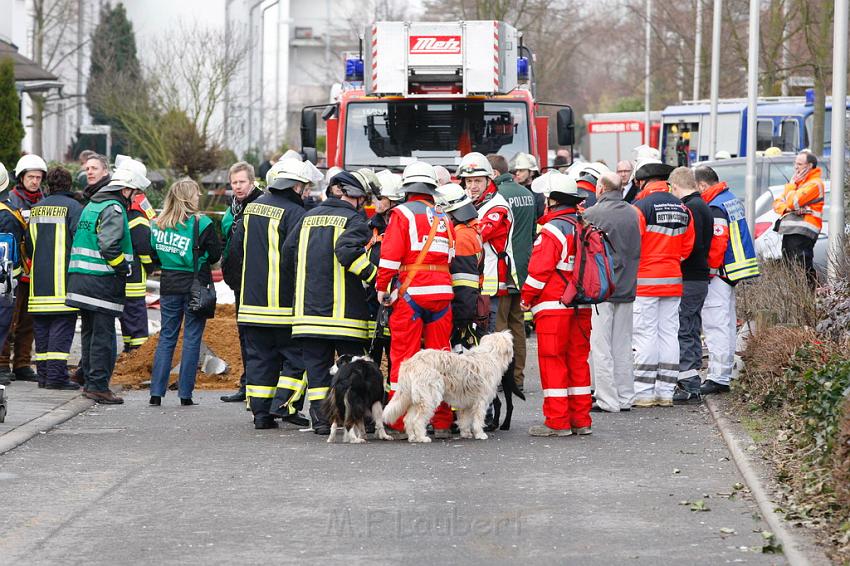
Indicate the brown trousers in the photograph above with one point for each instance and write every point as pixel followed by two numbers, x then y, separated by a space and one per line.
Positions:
pixel 21 331
pixel 509 316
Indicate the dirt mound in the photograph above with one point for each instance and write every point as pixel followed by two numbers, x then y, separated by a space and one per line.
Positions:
pixel 220 335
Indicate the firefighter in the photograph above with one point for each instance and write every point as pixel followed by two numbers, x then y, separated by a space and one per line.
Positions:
pixel 101 260
pixel 801 211
pixel 134 320
pixel 331 267
pixel 10 270
pixel 667 238
pixel 587 178
pixel 731 259
pixel 241 177
pixel 467 265
pixel 495 223
pixel 417 249
pixel 30 172
pixel 524 169
pixel 391 196
pixel 563 333
pixel 265 302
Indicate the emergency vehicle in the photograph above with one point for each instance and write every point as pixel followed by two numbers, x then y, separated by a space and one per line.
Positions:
pixel 435 91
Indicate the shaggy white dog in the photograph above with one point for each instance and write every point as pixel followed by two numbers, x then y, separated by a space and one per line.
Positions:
pixel 466 381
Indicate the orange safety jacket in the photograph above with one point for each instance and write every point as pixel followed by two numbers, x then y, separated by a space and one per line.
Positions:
pixel 801 206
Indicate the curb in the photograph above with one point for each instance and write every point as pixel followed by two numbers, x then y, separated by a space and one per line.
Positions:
pixel 791 546
pixel 45 422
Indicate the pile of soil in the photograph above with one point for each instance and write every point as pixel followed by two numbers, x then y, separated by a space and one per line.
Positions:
pixel 220 336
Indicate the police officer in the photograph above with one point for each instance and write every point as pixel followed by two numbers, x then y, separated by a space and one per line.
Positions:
pixel 53 222
pixel 265 303
pixel 101 260
pixel 331 267
pixel 134 320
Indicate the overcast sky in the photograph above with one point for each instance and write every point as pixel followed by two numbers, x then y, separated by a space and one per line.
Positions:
pixel 152 17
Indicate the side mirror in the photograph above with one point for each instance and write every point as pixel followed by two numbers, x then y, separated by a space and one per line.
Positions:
pixel 308 128
pixel 566 127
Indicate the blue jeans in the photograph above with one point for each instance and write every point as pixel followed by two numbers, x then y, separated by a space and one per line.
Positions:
pixel 173 310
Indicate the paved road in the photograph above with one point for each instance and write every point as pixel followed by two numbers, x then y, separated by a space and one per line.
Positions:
pixel 197 485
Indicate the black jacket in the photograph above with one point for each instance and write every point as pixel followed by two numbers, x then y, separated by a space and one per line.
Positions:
pixel 231 262
pixel 695 267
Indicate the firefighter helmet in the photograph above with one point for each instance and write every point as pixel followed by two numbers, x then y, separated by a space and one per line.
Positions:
pixel 588 175
pixel 443 175
pixel 419 177
pixel 474 165
pixel 555 182
pixel 524 161
pixel 369 180
pixel 454 200
pixel 390 185
pixel 30 162
pixel 129 173
pixel 649 168
pixel 286 173
pixel 4 178
pixel 351 185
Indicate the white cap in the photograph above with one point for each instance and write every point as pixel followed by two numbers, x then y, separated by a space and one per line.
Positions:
pixel 30 162
pixel 129 173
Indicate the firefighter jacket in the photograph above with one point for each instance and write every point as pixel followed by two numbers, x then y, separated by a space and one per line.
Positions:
pixel 53 222
pixel 801 206
pixel 496 224
pixel 139 218
pixel 14 217
pixel 231 258
pixel 732 256
pixel 11 222
pixel 266 296
pixel 667 238
pixel 523 209
pixel 407 231
pixel 101 256
pixel 695 266
pixel 332 270
pixel 174 250
pixel 466 269
pixel 551 264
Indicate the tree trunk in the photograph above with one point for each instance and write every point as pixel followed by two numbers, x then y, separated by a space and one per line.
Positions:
pixel 819 113
pixel 37 124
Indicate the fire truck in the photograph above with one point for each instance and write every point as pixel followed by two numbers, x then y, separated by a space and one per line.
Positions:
pixel 434 91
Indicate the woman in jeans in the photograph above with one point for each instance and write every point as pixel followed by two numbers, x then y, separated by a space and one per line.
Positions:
pixel 172 239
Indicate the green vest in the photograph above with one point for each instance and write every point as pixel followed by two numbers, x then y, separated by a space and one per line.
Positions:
pixel 174 245
pixel 85 252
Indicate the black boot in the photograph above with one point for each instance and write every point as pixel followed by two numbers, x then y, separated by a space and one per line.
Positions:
pixel 320 423
pixel 25 374
pixel 297 419
pixel 62 386
pixel 238 397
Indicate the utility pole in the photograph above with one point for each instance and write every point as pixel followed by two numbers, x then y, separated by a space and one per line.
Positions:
pixel 647 70
pixel 839 97
pixel 80 17
pixel 715 78
pixel 698 51
pixel 752 104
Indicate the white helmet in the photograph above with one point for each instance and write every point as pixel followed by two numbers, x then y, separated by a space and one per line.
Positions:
pixel 390 185
pixel 129 173
pixel 30 162
pixel 443 175
pixel 287 172
pixel 4 178
pixel 454 200
pixel 419 177
pixel 556 182
pixel 474 165
pixel 524 161
pixel 722 154
pixel 590 173
pixel 291 154
pixel 646 152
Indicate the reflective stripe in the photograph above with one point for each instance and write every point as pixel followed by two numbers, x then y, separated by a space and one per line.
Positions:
pixel 317 393
pixel 532 282
pixel 45 356
pixel 659 281
pixel 430 290
pixel 135 341
pixel 666 231
pixel 304 329
pixel 359 264
pixel 265 311
pixel 140 221
pixel 465 277
pixel 463 283
pixel 82 264
pixel 565 266
pixel 95 302
pixel 86 252
pixel 389 264
pixel 556 393
pixel 291 383
pixel 259 391
pixel 554 305
pixel 393 386
pixel 557 233
pixel 578 390
pixel 721 221
pixel 687 374
pixel 47 220
pixel 264 320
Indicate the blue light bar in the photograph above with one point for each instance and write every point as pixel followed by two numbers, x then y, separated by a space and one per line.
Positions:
pixel 522 69
pixel 354 70
pixel 810 97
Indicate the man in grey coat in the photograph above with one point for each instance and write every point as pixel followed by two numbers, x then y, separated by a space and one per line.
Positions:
pixel 611 338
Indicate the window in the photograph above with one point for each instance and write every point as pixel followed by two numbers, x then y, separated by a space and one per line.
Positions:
pixel 764 134
pixel 789 135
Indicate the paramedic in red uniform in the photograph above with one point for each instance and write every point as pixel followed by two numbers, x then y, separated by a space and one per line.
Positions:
pixel 418 284
pixel 563 333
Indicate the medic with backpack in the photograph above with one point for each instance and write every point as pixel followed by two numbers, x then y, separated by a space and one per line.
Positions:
pixel 570 269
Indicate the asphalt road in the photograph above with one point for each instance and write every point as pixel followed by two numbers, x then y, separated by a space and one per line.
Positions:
pixel 198 485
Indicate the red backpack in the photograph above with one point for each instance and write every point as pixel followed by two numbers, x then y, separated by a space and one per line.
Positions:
pixel 592 279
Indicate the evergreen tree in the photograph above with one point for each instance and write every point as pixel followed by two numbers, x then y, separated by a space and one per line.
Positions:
pixel 11 129
pixel 114 67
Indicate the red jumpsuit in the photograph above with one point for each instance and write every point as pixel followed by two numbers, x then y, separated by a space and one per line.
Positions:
pixel 563 333
pixel 424 311
pixel 494 225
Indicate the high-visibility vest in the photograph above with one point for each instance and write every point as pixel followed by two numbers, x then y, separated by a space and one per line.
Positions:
pixel 86 257
pixel 50 237
pixel 491 284
pixel 740 260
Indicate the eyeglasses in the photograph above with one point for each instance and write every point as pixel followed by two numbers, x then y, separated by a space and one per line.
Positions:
pixel 621 171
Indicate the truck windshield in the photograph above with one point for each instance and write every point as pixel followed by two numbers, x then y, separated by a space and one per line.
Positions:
pixel 393 134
